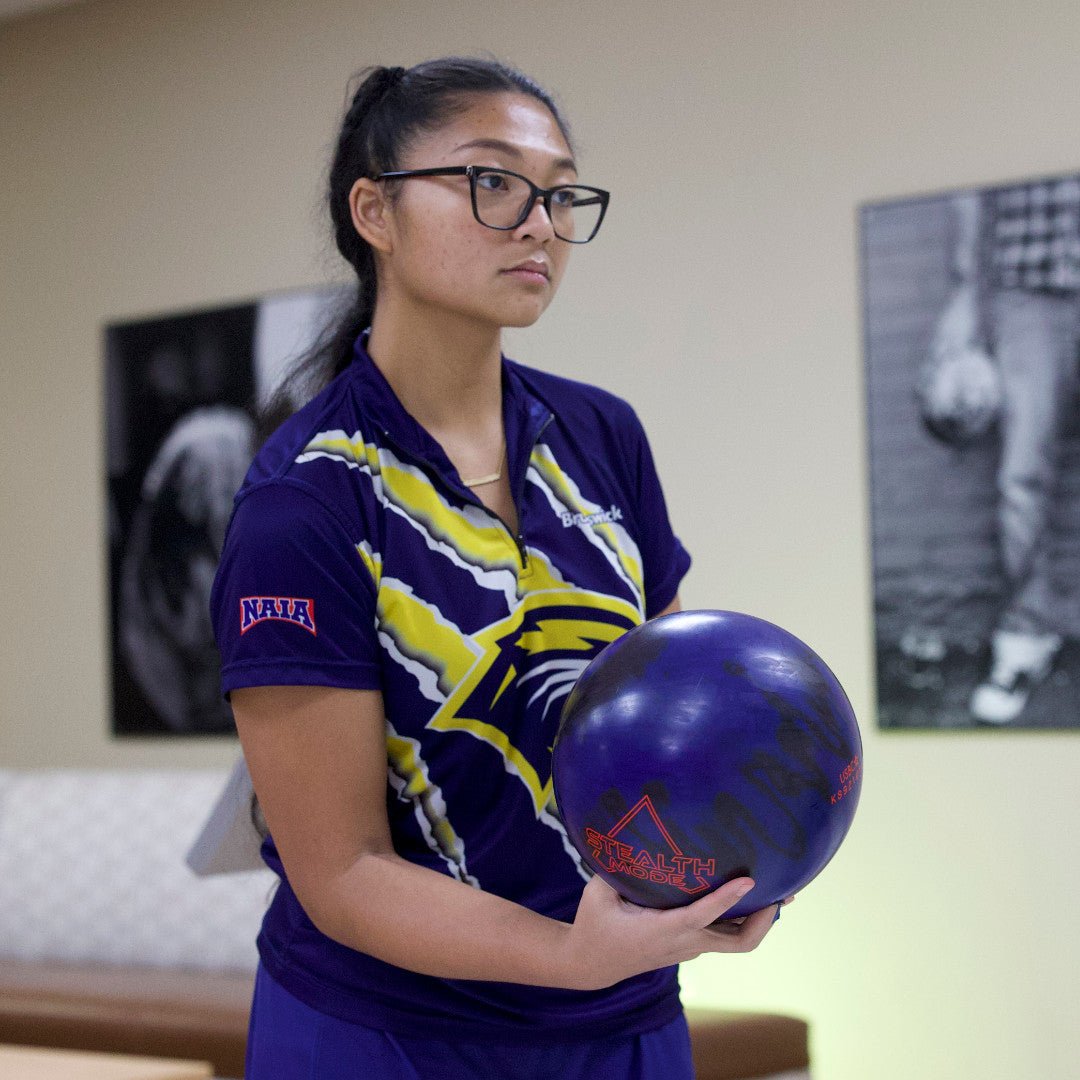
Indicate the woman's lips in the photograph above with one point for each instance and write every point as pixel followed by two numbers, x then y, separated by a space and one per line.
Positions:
pixel 534 272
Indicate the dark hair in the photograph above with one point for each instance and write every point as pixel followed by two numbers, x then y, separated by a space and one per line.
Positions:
pixel 389 108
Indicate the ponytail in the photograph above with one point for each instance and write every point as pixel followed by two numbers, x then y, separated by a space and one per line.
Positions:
pixel 329 355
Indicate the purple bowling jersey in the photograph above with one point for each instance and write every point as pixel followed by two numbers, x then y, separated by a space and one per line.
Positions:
pixel 357 558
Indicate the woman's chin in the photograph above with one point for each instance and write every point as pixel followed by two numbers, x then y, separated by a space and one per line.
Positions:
pixel 521 315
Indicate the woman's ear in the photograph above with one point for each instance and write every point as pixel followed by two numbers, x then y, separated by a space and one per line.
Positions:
pixel 368 206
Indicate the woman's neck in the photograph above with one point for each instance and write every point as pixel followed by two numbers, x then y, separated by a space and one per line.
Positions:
pixel 446 373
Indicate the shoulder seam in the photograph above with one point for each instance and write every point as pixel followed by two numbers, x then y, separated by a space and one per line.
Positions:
pixel 304 488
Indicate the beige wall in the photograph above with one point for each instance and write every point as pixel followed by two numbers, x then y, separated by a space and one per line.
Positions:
pixel 159 156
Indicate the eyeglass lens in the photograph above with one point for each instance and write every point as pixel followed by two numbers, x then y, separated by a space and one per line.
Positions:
pixel 501 200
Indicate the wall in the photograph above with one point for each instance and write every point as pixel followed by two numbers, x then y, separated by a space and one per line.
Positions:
pixel 162 156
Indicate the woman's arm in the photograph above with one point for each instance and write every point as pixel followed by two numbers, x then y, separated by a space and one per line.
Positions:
pixel 675 605
pixel 317 757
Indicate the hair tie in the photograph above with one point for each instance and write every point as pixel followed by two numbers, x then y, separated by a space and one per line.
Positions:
pixel 391 76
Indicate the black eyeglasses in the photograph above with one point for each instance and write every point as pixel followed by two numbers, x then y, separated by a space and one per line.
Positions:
pixel 503 200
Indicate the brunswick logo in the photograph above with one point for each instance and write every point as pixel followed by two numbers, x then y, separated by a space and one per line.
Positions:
pixel 257 609
pixel 666 865
pixel 601 517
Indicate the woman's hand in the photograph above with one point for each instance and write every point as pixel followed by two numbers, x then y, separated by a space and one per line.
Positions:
pixel 612 939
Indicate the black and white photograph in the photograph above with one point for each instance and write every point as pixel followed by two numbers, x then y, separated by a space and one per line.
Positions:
pixel 971 308
pixel 183 392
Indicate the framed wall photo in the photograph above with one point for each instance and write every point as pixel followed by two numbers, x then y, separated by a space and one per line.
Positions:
pixel 182 395
pixel 971 309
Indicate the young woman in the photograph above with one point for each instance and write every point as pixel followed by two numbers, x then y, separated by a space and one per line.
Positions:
pixel 421 561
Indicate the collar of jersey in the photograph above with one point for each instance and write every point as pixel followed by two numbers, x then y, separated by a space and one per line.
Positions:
pixel 524 417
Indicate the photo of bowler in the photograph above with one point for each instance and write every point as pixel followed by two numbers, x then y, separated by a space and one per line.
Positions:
pixel 972 332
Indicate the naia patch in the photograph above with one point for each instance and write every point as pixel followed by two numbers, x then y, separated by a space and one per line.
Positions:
pixel 291 609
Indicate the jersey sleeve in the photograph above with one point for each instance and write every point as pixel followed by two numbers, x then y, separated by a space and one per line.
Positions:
pixel 294 600
pixel 664 559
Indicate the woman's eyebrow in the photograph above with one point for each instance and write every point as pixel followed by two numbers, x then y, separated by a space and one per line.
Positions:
pixel 512 151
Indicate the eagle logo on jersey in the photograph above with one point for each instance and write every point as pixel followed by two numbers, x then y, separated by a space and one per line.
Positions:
pixel 540 649
pixel 502 685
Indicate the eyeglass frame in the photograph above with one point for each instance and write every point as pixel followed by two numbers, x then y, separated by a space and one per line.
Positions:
pixel 535 192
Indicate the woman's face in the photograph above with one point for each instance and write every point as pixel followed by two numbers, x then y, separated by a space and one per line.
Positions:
pixel 440 255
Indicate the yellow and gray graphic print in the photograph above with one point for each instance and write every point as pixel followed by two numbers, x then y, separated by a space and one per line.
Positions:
pixel 551 636
pixel 467 537
pixel 536 652
pixel 409 778
pixel 612 539
pixel 501 685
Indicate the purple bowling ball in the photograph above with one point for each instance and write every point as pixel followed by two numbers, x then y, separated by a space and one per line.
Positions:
pixel 703 746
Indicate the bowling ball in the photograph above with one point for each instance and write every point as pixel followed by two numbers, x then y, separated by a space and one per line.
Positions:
pixel 703 746
pixel 959 396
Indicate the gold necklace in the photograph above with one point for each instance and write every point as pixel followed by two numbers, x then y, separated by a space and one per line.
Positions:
pixel 489 478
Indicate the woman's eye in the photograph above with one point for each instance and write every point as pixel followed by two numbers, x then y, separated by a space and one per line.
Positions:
pixel 563 197
pixel 492 181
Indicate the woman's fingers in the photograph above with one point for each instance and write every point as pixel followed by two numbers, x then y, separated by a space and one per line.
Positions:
pixel 657 937
pixel 742 935
pixel 709 908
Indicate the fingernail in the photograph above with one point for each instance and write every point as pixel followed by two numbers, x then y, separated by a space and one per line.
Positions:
pixel 779 908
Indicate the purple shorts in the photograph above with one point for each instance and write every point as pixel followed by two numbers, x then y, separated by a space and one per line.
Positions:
pixel 288 1040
